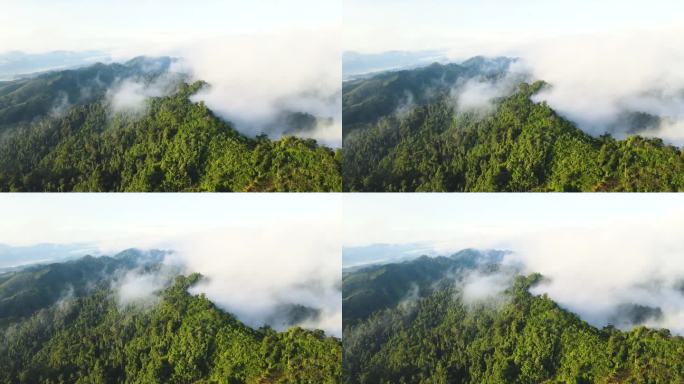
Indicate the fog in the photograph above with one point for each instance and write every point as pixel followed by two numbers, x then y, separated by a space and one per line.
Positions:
pixel 596 270
pixel 478 95
pixel 255 79
pixel 255 273
pixel 258 255
pixel 600 80
pixel 486 288
pixel 624 273
pixel 141 288
pixel 130 95
pixel 275 276
pixel 596 79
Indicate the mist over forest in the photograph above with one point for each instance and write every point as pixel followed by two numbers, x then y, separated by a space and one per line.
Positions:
pixel 476 315
pixel 145 125
pixel 491 124
pixel 137 316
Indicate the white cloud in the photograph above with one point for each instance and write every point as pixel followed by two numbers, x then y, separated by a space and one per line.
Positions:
pixel 477 95
pixel 594 269
pixel 481 288
pixel 602 59
pixel 251 273
pixel 595 78
pixel 254 78
pixel 138 287
pixel 130 95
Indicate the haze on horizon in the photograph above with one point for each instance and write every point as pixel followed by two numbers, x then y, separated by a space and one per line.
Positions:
pixel 409 25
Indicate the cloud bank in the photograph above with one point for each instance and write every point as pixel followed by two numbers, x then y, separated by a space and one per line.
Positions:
pixel 486 288
pixel 478 95
pixel 619 263
pixel 598 79
pixel 599 271
pixel 130 95
pixel 623 82
pixel 284 83
pixel 256 274
pixel 256 80
pixel 622 274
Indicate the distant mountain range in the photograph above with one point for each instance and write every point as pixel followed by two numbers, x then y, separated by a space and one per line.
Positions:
pixel 357 65
pixel 31 98
pixel 358 257
pixel 16 64
pixel 19 256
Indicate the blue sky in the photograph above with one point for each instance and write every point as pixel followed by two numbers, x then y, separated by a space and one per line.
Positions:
pixel 381 25
pixel 46 25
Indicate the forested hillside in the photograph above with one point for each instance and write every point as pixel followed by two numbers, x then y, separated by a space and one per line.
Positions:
pixel 383 286
pixel 435 335
pixel 32 98
pixel 431 145
pixel 90 336
pixel 33 288
pixel 172 144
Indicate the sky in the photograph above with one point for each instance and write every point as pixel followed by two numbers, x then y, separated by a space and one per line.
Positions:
pixel 45 25
pixel 447 24
pixel 120 221
pixel 470 220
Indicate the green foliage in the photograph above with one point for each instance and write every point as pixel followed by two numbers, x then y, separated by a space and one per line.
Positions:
pixel 365 101
pixel 182 339
pixel 33 288
pixel 25 100
pixel 384 286
pixel 525 339
pixel 175 145
pixel 522 146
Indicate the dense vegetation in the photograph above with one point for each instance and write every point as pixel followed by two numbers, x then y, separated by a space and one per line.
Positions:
pixel 29 99
pixel 174 145
pixel 91 337
pixel 437 338
pixel 29 289
pixel 522 146
pixel 383 286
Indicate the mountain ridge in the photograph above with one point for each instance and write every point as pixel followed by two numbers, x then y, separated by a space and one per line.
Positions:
pixel 522 146
pixel 437 334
